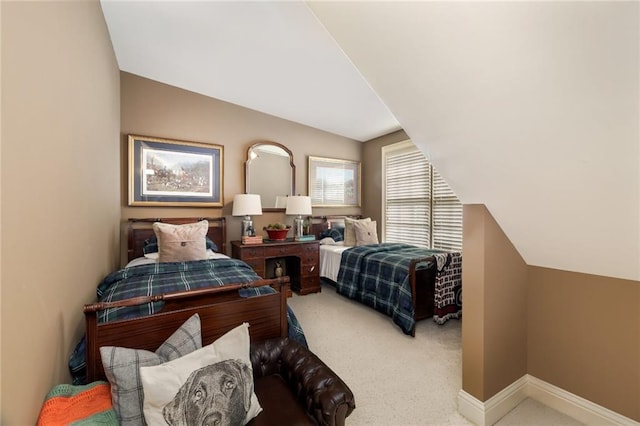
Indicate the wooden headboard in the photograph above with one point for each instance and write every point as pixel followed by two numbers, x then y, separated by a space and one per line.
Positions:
pixel 139 230
pixel 220 310
pixel 322 223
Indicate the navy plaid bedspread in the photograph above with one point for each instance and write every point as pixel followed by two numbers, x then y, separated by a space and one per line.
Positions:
pixel 161 278
pixel 169 277
pixel 378 276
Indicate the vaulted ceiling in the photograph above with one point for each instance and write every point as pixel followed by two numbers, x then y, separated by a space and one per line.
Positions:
pixel 530 108
pixel 273 57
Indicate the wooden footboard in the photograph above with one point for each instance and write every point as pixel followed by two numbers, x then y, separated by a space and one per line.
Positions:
pixel 220 309
pixel 422 283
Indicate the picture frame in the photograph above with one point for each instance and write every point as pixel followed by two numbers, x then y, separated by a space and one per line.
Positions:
pixel 334 182
pixel 167 172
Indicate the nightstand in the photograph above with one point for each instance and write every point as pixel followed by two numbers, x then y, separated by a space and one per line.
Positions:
pixel 299 260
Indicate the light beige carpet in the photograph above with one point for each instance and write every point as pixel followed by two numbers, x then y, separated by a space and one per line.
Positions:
pixel 397 380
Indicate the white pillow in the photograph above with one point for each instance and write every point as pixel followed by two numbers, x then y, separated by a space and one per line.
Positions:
pixel 328 241
pixel 349 232
pixel 184 389
pixel 180 243
pixel 366 233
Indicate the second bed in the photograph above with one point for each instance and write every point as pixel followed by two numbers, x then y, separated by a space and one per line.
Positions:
pixel 406 282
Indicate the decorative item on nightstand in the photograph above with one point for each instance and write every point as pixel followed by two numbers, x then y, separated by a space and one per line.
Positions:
pixel 298 205
pixel 278 270
pixel 277 231
pixel 256 239
pixel 247 205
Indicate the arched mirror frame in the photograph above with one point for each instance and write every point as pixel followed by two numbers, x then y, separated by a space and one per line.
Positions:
pixel 247 174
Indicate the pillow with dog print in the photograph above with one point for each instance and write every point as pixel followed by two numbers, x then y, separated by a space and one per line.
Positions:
pixel 122 368
pixel 213 385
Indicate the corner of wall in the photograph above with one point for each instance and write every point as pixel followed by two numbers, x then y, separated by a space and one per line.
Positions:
pixel 494 294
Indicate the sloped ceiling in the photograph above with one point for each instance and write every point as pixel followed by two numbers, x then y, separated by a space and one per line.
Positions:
pixel 531 108
pixel 272 57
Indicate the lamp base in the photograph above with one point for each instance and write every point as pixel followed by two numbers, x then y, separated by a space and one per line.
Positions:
pixel 298 223
pixel 247 227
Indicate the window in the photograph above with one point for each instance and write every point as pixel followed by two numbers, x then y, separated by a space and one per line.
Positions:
pixel 419 207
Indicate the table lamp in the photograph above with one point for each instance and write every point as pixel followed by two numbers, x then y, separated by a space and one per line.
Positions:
pixel 247 205
pixel 281 201
pixel 298 205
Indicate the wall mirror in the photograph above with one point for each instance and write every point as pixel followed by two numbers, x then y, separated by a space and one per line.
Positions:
pixel 270 172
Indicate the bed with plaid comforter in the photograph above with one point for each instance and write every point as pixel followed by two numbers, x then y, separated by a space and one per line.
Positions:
pixel 377 275
pixel 161 278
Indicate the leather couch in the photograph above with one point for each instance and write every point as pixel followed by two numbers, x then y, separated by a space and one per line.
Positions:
pixel 294 387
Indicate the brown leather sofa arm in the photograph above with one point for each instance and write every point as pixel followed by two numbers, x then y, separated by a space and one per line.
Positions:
pixel 322 393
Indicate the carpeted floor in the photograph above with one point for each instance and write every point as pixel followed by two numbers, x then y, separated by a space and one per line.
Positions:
pixel 396 379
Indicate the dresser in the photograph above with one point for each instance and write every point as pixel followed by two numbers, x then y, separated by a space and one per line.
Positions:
pixel 300 260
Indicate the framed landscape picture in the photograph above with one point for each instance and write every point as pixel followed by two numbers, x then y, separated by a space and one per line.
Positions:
pixel 165 172
pixel 334 182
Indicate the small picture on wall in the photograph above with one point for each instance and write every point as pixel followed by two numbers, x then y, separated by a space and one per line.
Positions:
pixel 334 182
pixel 165 172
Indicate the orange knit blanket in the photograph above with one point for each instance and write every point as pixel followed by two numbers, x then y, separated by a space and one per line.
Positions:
pixel 78 405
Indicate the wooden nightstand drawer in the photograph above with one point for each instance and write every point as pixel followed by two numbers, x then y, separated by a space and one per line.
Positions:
pixel 309 268
pixel 310 284
pixel 310 258
pixel 252 252
pixel 310 248
pixel 282 250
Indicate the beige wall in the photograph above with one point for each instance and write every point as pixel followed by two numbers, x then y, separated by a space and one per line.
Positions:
pixel 576 331
pixel 150 108
pixel 584 336
pixel 494 328
pixel 372 174
pixel 60 170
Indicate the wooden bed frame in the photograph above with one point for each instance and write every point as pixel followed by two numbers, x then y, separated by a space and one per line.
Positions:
pixel 139 230
pixel 422 281
pixel 220 310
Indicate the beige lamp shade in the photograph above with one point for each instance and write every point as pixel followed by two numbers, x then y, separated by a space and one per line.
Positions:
pixel 247 205
pixel 281 201
pixel 299 205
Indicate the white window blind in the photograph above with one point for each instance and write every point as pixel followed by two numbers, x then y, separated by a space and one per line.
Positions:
pixel 446 212
pixel 328 186
pixel 419 206
pixel 407 194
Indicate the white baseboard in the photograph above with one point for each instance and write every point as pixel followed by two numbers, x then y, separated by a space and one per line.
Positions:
pixel 489 412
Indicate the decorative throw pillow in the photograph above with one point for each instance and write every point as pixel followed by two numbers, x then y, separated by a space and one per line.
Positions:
pixel 181 243
pixel 122 368
pixel 333 233
pixel 349 233
pixel 213 383
pixel 366 233
pixel 151 246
